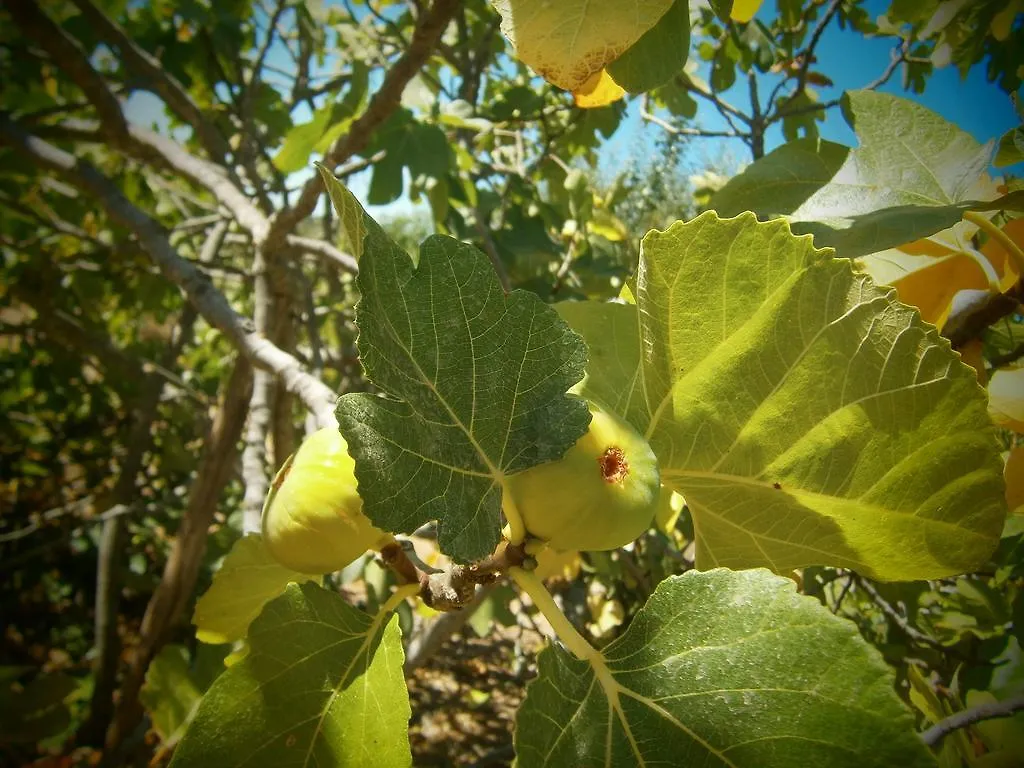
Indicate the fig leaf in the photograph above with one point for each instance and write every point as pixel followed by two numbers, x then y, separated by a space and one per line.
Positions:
pixel 322 684
pixel 476 385
pixel 721 668
pixel 806 416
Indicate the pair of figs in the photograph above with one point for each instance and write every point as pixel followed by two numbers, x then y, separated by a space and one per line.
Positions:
pixel 600 495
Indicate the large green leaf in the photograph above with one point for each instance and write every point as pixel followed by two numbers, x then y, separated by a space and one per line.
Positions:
pixel 328 123
pixel 569 41
pixel 658 55
pixel 477 382
pixel 806 416
pixel 912 175
pixel 782 180
pixel 612 333
pixel 248 578
pixel 322 684
pixel 721 669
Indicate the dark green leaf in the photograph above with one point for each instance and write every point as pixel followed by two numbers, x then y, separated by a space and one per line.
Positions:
pixel 658 55
pixel 476 382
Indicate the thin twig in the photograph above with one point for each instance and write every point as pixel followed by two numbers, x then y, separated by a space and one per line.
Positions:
pixel 158 77
pixel 913 633
pixel 384 102
pixel 678 130
pixel 316 395
pixel 808 52
pixel 491 248
pixel 988 710
pixel 843 594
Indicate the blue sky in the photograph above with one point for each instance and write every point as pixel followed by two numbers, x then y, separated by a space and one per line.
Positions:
pixel 851 60
pixel 847 57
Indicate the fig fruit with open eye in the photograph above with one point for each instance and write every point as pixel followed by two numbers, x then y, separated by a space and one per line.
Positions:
pixel 313 519
pixel 600 495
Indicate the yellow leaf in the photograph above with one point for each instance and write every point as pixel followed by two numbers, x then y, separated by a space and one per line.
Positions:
pixel 1006 398
pixel 926 282
pixel 744 10
pixel 1013 473
pixel 1001 261
pixel 608 226
pixel 1002 23
pixel 599 91
pixel 568 41
pixel 236 655
pixel 929 272
pixel 247 580
pixel 670 505
pixel 607 614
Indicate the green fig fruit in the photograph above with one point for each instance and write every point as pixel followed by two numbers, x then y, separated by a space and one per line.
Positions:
pixel 313 519
pixel 601 494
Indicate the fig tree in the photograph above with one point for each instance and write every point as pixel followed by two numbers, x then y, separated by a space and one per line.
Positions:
pixel 313 519
pixel 600 495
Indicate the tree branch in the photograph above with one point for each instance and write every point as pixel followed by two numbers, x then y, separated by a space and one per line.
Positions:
pixel 172 595
pixel 901 622
pixel 325 250
pixel 970 324
pixel 427 640
pixel 896 57
pixel 164 153
pixel 111 550
pixel 722 106
pixel 808 52
pixel 162 82
pixel 69 56
pixel 676 130
pixel 384 102
pixel 986 711
pixel 316 395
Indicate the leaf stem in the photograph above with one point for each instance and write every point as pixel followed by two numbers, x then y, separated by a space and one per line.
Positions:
pixel 528 582
pixel 1012 249
pixel 404 591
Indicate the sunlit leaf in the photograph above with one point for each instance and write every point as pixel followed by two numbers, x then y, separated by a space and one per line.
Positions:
pixel 1006 398
pixel 600 90
pixel 895 187
pixel 744 10
pixel 322 684
pixel 170 695
pixel 930 272
pixel 568 41
pixel 613 352
pixel 806 416
pixel 248 578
